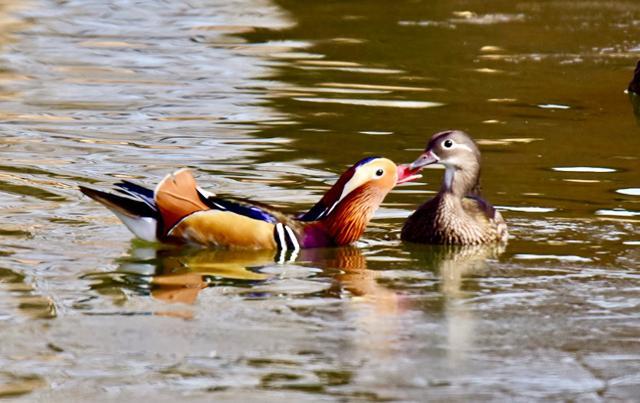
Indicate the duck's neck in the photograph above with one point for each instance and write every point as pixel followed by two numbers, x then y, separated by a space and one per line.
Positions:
pixel 461 182
pixel 346 223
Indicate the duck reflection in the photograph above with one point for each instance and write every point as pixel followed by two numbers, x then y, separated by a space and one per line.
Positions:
pixel 178 275
pixel 454 264
pixel 353 278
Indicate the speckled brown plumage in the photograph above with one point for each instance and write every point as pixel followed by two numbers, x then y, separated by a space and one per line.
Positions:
pixel 447 219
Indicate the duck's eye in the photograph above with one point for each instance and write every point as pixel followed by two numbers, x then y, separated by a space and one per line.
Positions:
pixel 380 172
pixel 448 143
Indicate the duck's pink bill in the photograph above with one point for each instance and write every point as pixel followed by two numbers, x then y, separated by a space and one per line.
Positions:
pixel 406 174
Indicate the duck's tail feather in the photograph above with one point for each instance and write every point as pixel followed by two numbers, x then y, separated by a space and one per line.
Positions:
pixel 139 214
pixel 139 192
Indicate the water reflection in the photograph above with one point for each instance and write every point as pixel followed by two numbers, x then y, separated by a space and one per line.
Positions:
pixel 12 385
pixel 179 278
pixel 179 274
pixel 634 98
pixel 17 292
pixel 454 265
pixel 272 100
pixel 379 312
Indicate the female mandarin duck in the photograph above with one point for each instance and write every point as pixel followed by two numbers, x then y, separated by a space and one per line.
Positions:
pixel 457 214
pixel 179 211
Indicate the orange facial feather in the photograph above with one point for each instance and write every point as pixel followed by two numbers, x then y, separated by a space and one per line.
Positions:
pixel 349 220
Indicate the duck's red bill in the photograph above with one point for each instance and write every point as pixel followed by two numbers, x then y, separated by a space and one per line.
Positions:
pixel 406 174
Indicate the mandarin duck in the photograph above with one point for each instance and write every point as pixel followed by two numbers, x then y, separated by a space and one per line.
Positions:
pixel 634 84
pixel 457 214
pixel 178 211
pixel 633 89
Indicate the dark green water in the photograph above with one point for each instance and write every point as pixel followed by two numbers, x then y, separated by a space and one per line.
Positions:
pixel 272 101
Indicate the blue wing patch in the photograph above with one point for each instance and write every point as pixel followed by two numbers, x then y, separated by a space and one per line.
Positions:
pixel 240 208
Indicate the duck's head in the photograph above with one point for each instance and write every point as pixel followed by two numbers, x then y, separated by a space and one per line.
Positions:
pixel 452 148
pixel 458 153
pixel 371 176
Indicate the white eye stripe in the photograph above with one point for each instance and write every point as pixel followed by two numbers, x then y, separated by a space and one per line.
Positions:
pixel 356 180
pixel 464 147
pixel 360 177
pixel 455 146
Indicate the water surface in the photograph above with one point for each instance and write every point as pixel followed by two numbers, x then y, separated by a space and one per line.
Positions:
pixel 272 100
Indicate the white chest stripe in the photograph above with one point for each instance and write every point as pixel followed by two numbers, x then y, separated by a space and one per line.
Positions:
pixel 282 243
pixel 286 238
pixel 292 237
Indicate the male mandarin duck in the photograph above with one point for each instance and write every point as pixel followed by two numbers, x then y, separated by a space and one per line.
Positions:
pixel 178 211
pixel 457 214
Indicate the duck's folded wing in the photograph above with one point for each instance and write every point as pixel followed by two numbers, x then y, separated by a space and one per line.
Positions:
pixel 481 208
pixel 248 208
pixel 243 207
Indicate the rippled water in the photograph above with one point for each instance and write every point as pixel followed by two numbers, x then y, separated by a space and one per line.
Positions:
pixel 272 101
